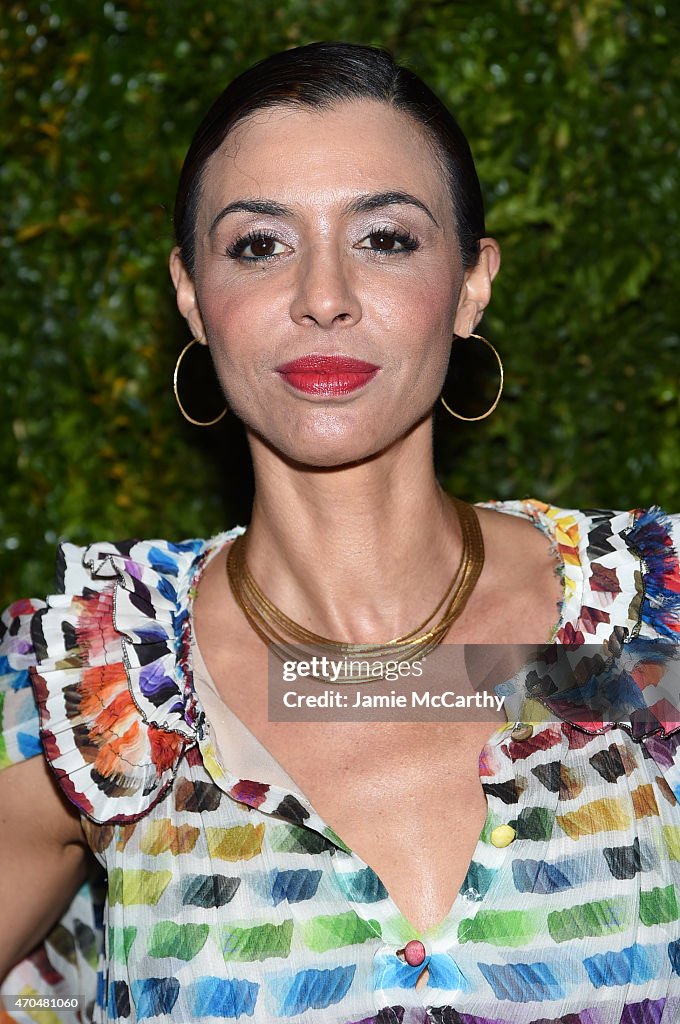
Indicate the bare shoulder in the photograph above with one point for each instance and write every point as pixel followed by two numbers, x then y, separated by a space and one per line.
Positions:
pixel 517 543
pixel 520 591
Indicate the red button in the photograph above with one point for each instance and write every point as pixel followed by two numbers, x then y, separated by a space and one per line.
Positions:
pixel 414 953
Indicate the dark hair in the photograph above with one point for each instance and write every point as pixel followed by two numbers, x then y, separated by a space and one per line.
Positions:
pixel 320 75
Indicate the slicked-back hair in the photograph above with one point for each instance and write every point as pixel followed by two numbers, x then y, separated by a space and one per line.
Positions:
pixel 320 76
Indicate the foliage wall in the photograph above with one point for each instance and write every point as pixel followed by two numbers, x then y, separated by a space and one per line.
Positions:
pixel 572 113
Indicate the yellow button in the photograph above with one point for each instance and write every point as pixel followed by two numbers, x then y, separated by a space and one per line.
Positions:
pixel 503 835
pixel 522 731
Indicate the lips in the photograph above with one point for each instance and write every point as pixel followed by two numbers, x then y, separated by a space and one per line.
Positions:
pixel 327 375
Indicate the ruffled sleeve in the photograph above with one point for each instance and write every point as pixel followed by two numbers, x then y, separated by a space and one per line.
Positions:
pixel 656 538
pixel 95 679
pixel 115 711
pixel 620 663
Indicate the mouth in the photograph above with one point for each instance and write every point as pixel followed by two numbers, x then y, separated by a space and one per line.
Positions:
pixel 327 375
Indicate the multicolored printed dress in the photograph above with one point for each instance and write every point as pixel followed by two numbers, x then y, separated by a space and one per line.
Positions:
pixel 219 899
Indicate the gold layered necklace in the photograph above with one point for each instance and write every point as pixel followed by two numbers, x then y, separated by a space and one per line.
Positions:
pixel 285 637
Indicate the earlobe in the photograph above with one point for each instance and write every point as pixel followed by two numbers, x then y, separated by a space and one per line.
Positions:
pixel 187 301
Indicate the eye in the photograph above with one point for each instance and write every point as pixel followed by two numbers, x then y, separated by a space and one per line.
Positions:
pixel 257 245
pixel 388 240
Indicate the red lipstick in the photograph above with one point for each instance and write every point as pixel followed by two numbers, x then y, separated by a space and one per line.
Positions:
pixel 327 375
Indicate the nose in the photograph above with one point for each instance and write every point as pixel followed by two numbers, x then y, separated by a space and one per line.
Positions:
pixel 325 294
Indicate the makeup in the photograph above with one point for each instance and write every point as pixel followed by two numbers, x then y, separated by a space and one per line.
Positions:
pixel 327 375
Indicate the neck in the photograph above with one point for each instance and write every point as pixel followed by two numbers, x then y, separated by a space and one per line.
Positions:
pixel 360 553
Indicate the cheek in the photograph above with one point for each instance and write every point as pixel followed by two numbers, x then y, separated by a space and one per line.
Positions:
pixel 241 321
pixel 420 318
pixel 425 310
pixel 425 290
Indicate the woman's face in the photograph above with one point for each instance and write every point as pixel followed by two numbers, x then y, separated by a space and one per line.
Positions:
pixel 329 234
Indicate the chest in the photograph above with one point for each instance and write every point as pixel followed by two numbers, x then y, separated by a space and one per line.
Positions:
pixel 216 883
pixel 406 798
pixel 393 791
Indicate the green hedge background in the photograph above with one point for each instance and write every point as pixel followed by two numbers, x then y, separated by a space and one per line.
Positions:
pixel 572 112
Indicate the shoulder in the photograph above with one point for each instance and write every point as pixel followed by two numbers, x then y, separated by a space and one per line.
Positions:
pixel 620 623
pixel 635 554
pixel 620 567
pixel 96 675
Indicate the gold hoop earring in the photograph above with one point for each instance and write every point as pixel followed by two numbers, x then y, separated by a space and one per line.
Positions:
pixel 180 357
pixel 473 419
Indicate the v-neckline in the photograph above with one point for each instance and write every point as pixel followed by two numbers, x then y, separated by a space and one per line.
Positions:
pixel 232 784
pixel 391 918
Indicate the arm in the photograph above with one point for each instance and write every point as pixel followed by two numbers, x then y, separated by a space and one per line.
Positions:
pixel 43 854
pixel 51 925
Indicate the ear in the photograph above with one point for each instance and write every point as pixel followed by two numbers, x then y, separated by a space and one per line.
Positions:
pixel 187 301
pixel 476 290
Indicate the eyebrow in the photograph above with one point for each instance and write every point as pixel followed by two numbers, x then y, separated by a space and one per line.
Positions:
pixel 362 204
pixel 264 206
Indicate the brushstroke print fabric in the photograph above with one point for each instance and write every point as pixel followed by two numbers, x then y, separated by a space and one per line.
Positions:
pixel 230 899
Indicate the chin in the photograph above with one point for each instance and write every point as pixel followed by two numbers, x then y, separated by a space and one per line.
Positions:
pixel 331 444
pixel 323 453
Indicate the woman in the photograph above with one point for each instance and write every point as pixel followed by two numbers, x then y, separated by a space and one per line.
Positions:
pixel 330 244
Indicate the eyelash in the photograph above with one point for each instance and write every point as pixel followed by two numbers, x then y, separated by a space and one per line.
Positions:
pixel 235 250
pixel 407 241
